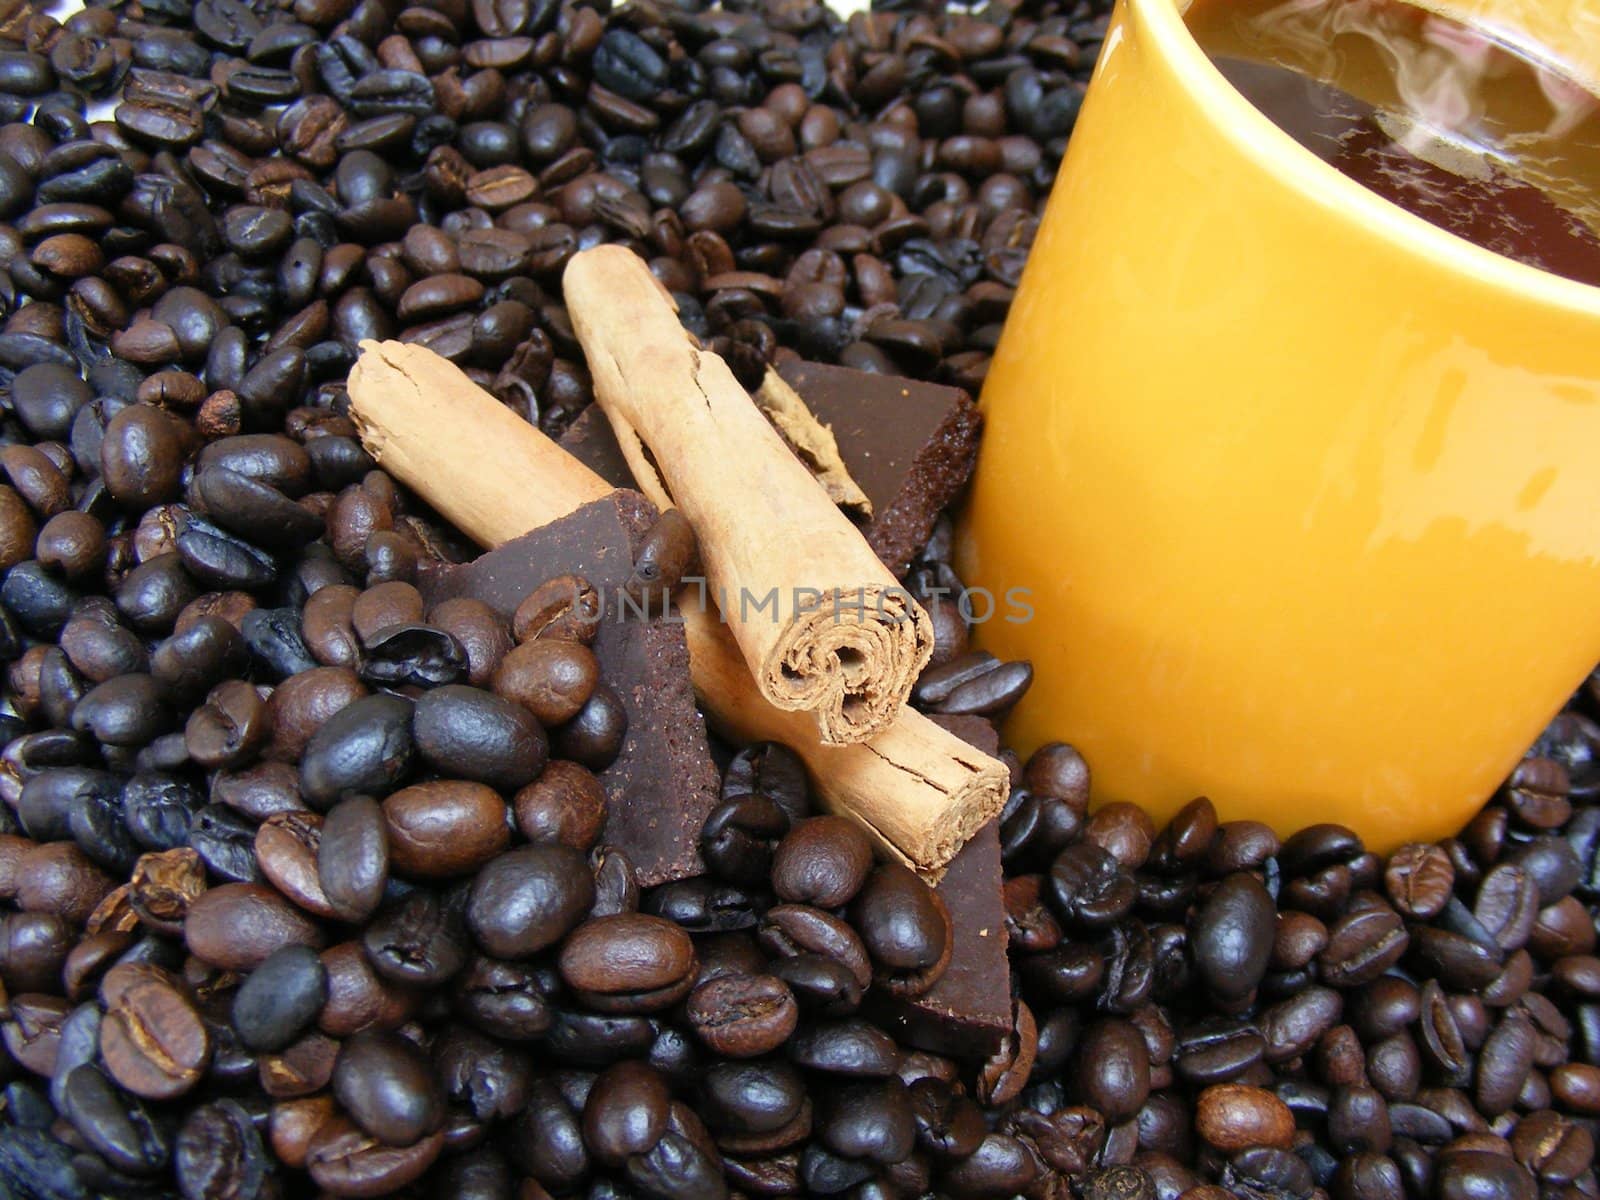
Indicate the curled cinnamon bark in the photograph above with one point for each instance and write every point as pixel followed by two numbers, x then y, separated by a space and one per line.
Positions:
pixel 817 617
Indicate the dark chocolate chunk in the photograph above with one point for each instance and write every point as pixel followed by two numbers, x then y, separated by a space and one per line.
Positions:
pixel 910 445
pixel 663 784
pixel 589 439
pixel 968 1011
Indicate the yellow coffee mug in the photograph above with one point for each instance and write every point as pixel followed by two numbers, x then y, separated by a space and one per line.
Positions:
pixel 1305 491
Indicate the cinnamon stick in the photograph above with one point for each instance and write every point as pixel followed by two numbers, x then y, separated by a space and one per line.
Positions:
pixel 919 790
pixel 819 620
pixel 505 476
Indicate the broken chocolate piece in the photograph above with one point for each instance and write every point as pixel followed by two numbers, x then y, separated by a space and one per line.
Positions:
pixel 910 446
pixel 812 443
pixel 663 784
pixel 967 1012
pixel 590 440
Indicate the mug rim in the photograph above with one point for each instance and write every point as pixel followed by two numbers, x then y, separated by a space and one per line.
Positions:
pixel 1259 138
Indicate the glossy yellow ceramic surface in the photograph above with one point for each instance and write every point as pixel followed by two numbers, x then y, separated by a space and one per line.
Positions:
pixel 1306 491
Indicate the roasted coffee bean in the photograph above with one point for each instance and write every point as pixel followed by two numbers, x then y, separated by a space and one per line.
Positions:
pixel 482 633
pixel 384 606
pixel 193 660
pixel 503 999
pixel 152 1039
pixel 1464 1174
pixel 1577 1087
pixel 1458 961
pixel 60 879
pixel 476 734
pixel 1090 888
pixel 116 1126
pixel 225 841
pixel 1418 880
pixel 1000 1165
pixel 625 1113
pixel 129 710
pixel 528 898
pixel 1113 1069
pixel 628 963
pixel 280 999
pixel 1234 1117
pixel 141 456
pixel 905 928
pixel 230 728
pixel 1537 793
pixel 238 926
pixel 566 804
pixel 219 1152
pixel 868 1119
pixel 388 1088
pixel 40 602
pixel 1503 1064
pixel 163 886
pixel 366 748
pixel 1362 946
pixel 345 1161
pixel 32 1032
pixel 743 1016
pixel 357 996
pixel 850 1047
pixel 1552 865
pixel 479 1074
pixel 1556 1149
pixel 552 678
pixel 33 948
pixel 48 799
pixel 418 940
pixel 594 737
pixel 822 861
pixel 1232 936
pixel 666 555
pixel 253 508
pixel 47 396
pixel 1507 905
pixel 1292 1027
pixel 740 836
pixel 1217 1050
pixel 444 828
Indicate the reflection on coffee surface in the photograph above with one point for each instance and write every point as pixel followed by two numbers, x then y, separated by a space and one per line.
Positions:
pixel 1448 121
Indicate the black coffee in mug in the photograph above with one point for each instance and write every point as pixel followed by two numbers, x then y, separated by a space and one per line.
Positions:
pixel 1465 130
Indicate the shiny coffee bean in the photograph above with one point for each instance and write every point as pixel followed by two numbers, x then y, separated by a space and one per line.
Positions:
pixel 478 735
pixel 387 1086
pixel 743 1016
pixel 822 861
pixel 905 928
pixel 628 963
pixel 528 898
pixel 444 828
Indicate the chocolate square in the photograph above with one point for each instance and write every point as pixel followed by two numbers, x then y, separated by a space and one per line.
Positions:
pixel 968 1012
pixel 663 784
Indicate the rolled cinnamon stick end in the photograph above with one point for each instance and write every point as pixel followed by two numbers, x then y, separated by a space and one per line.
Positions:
pixel 822 625
pixel 920 790
pixel 940 790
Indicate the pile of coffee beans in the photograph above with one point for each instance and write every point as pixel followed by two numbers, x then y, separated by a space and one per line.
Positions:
pixel 304 889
